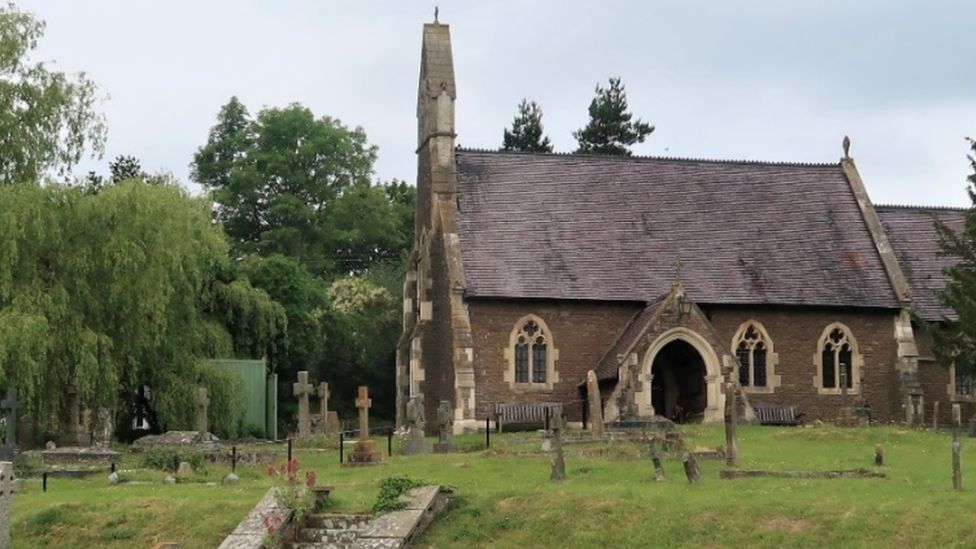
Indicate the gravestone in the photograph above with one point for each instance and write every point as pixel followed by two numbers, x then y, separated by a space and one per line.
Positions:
pixel 365 451
pixel 203 423
pixel 956 448
pixel 595 408
pixel 445 428
pixel 184 470
pixel 74 431
pixel 691 468
pixel 656 460
pixel 878 454
pixel 328 422
pixel 10 404
pixel 557 461
pixel 935 415
pixel 416 422
pixel 731 419
pixel 302 389
pixel 8 485
pixel 104 428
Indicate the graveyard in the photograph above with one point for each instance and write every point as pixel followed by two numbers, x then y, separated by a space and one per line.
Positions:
pixel 503 495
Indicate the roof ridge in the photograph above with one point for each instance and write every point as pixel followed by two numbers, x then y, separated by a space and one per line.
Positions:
pixel 616 157
pixel 920 207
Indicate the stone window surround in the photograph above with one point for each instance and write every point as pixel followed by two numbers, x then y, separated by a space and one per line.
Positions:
pixel 951 388
pixel 772 358
pixel 552 355
pixel 857 362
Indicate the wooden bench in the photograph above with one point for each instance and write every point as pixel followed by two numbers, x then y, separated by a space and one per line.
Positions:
pixel 778 415
pixel 526 412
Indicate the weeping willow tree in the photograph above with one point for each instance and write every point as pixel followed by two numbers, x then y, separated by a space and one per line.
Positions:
pixel 126 287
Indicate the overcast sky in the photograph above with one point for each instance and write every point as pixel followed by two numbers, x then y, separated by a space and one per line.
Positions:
pixel 766 80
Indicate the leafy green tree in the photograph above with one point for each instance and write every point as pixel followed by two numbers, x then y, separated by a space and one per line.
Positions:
pixel 126 287
pixel 275 178
pixel 48 118
pixel 526 133
pixel 955 340
pixel 611 129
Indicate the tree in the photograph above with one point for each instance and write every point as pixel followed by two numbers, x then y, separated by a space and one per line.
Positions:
pixel 611 129
pixel 955 339
pixel 526 133
pixel 49 118
pixel 275 178
pixel 126 287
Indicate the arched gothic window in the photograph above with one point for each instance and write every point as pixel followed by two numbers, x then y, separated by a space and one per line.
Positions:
pixel 532 355
pixel 755 358
pixel 837 360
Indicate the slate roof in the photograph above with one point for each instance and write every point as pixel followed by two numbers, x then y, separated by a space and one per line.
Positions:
pixel 912 233
pixel 592 227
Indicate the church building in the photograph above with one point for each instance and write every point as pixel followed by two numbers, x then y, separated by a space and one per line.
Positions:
pixel 667 277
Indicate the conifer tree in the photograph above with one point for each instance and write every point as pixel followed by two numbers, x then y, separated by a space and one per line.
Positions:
pixel 955 339
pixel 611 129
pixel 526 133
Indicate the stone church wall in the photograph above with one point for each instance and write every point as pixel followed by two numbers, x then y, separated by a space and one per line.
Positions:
pixel 437 340
pixel 795 333
pixel 581 332
pixel 935 379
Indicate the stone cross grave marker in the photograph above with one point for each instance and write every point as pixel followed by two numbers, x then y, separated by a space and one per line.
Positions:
pixel 203 404
pixel 557 461
pixel 8 485
pixel 10 403
pixel 302 390
pixel 445 428
pixel 365 451
pixel 323 393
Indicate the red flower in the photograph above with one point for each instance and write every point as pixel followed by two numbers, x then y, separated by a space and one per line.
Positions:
pixel 271 471
pixel 310 479
pixel 292 465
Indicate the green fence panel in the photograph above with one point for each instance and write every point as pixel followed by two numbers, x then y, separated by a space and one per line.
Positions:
pixel 254 374
pixel 271 409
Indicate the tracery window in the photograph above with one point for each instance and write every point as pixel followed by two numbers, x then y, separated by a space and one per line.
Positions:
pixel 751 354
pixel 531 355
pixel 837 360
pixel 755 358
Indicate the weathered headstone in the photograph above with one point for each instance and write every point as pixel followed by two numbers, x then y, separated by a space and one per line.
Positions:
pixel 184 470
pixel 203 422
pixel 691 468
pixel 656 459
pixel 231 478
pixel 328 422
pixel 74 431
pixel 416 423
pixel 878 455
pixel 445 428
pixel 104 428
pixel 10 404
pixel 169 479
pixel 935 415
pixel 557 461
pixel 302 389
pixel 595 408
pixel 8 485
pixel 956 448
pixel 731 419
pixel 365 451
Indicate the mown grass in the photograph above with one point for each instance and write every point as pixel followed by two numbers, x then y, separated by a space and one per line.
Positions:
pixel 506 500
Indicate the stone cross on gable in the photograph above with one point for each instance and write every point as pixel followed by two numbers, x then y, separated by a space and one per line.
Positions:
pixel 324 400
pixel 203 404
pixel 363 402
pixel 11 405
pixel 302 389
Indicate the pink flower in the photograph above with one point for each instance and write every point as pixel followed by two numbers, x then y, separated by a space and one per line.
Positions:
pixel 271 471
pixel 292 466
pixel 310 479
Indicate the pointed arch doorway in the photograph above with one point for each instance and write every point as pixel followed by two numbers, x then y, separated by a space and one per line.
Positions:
pixel 682 378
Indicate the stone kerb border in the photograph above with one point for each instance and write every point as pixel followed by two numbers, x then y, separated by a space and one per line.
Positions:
pixel 250 532
pixel 393 529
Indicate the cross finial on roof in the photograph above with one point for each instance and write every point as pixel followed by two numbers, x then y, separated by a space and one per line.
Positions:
pixel 436 11
pixel 847 147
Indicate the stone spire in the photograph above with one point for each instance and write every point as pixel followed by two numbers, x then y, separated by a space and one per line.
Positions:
pixel 435 123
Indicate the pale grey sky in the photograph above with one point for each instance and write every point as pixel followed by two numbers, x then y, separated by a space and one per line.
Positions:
pixel 767 80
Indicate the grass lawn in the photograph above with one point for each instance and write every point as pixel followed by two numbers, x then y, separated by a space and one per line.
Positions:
pixel 506 500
